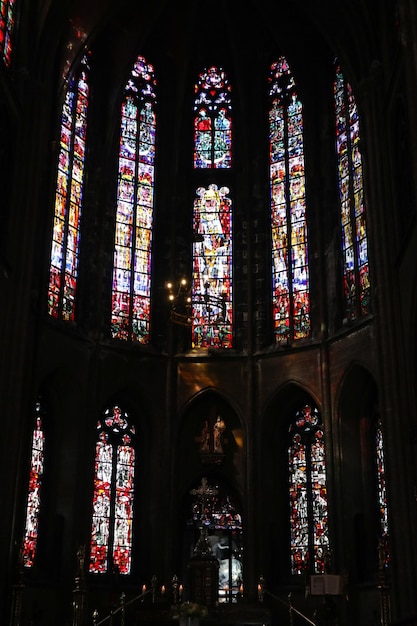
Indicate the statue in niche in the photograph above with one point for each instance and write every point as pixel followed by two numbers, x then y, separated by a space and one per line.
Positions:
pixel 211 440
pixel 205 437
pixel 218 430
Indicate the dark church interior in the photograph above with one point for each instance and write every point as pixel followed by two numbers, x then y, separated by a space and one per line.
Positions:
pixel 173 454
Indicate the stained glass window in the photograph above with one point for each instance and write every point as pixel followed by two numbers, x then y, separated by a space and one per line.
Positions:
pixel 7 22
pixel 135 203
pixel 212 120
pixel 356 283
pixel 290 271
pixel 114 476
pixel 382 497
pixel 63 272
pixel 33 506
pixel 308 493
pixel 212 268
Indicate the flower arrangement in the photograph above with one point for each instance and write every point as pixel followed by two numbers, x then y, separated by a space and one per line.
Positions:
pixel 190 609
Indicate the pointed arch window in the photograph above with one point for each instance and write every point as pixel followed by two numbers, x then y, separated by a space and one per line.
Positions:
pixel 113 498
pixel 308 493
pixel 356 281
pixel 212 269
pixel 7 22
pixel 131 290
pixel 33 505
pixel 384 548
pixel 212 120
pixel 63 271
pixel 290 271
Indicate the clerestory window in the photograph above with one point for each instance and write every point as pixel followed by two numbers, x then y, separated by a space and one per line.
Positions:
pixel 131 289
pixel 290 270
pixel 63 269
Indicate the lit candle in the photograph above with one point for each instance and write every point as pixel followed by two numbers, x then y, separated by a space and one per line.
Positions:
pixel 163 589
pixel 241 589
pixel 143 588
pixel 181 588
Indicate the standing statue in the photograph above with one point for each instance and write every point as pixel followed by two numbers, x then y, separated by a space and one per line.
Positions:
pixel 218 430
pixel 205 437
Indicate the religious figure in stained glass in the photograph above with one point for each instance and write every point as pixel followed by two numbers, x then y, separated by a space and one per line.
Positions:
pixel 212 120
pixel 63 272
pixel 212 269
pixel 308 493
pixel 114 476
pixel 356 281
pixel 37 462
pixel 131 289
pixel 290 271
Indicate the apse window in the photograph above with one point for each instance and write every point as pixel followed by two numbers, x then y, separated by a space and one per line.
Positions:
pixel 290 270
pixel 354 241
pixel 131 288
pixel 65 248
pixel 33 505
pixel 384 547
pixel 212 120
pixel 309 549
pixel 113 498
pixel 212 269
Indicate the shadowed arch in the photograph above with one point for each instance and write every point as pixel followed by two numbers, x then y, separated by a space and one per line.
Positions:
pixel 224 470
pixel 357 412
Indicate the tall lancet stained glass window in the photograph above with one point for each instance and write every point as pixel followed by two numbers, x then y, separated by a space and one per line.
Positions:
pixel 7 22
pixel 114 481
pixel 308 493
pixel 356 282
pixel 63 271
pixel 33 505
pixel 290 271
pixel 212 268
pixel 384 547
pixel 131 290
pixel 212 120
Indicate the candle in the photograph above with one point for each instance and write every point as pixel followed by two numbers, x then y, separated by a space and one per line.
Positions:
pixel 163 589
pixel 181 589
pixel 241 589
pixel 143 588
